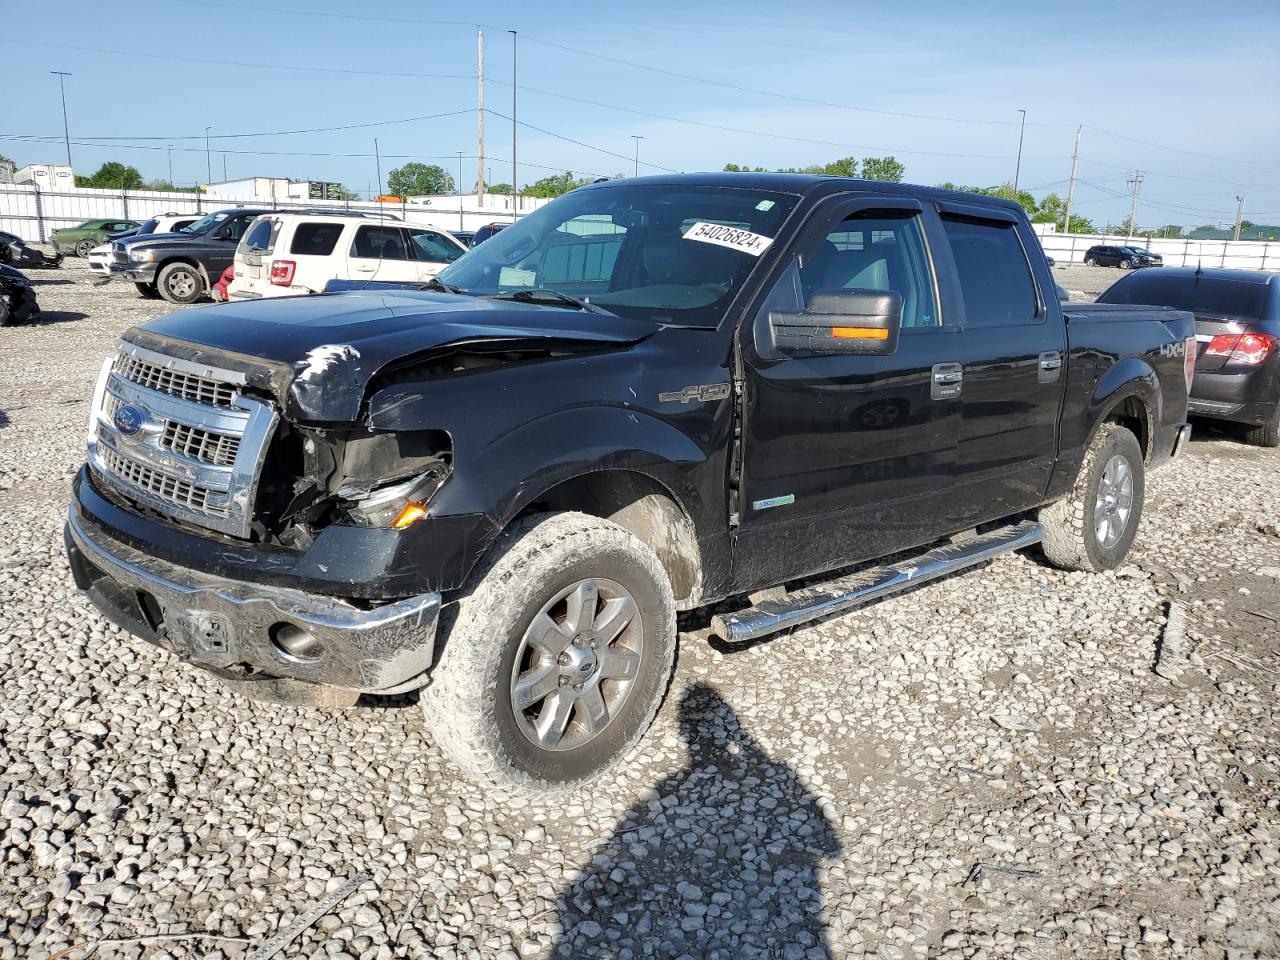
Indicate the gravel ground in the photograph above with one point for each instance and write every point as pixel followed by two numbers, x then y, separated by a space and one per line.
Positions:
pixel 990 766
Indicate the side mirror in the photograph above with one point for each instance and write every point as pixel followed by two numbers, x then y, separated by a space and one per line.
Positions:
pixel 854 321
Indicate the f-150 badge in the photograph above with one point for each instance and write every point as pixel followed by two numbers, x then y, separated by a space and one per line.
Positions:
pixel 700 392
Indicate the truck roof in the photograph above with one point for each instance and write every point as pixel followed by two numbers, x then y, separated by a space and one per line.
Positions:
pixel 805 184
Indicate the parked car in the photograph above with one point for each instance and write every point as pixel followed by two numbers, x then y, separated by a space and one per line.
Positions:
pixel 1237 316
pixel 285 254
pixel 15 252
pixel 487 231
pixel 100 257
pixel 84 237
pixel 17 297
pixel 180 266
pixel 1126 258
pixel 644 397
pixel 219 292
pixel 465 237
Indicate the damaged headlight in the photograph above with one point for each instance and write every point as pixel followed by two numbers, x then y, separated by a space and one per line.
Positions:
pixel 398 505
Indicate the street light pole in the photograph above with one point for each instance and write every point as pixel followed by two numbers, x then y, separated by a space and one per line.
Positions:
pixel 461 225
pixel 208 160
pixel 377 159
pixel 515 190
pixel 637 139
pixel 1017 170
pixel 171 164
pixel 66 131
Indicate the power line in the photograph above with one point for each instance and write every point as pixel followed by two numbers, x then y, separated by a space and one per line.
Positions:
pixel 580 143
pixel 1190 153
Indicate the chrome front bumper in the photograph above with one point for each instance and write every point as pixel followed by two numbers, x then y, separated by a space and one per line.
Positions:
pixel 231 627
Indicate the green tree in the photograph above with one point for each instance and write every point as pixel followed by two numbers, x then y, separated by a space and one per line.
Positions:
pixel 419 179
pixel 883 168
pixel 555 185
pixel 735 168
pixel 113 176
pixel 168 187
pixel 501 189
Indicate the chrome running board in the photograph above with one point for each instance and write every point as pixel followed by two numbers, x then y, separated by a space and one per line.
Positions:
pixel 845 593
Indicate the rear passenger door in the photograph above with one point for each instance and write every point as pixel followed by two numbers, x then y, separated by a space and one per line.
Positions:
pixel 1013 356
pixel 431 251
pixel 380 252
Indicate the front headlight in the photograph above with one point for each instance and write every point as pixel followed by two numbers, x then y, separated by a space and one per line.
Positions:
pixel 141 256
pixel 398 505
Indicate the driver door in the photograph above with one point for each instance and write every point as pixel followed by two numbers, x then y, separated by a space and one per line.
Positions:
pixel 849 457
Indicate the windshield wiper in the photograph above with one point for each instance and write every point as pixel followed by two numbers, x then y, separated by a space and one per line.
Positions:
pixel 435 283
pixel 552 298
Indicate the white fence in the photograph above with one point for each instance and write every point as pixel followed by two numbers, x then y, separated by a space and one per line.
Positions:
pixel 1180 252
pixel 33 214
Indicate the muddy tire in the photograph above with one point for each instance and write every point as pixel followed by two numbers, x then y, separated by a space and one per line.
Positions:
pixel 1093 527
pixel 180 283
pixel 1264 434
pixel 556 659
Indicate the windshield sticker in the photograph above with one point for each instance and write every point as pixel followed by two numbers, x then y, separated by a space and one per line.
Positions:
pixel 764 206
pixel 731 237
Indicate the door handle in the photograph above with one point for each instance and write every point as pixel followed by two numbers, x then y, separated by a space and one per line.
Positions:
pixel 1050 364
pixel 947 381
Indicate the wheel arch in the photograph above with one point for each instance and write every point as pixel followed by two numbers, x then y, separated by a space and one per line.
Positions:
pixel 639 503
pixel 189 261
pixel 1128 394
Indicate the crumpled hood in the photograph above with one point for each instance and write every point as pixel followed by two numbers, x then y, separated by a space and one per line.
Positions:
pixel 320 352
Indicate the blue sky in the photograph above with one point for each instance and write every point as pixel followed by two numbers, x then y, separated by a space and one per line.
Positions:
pixel 1194 81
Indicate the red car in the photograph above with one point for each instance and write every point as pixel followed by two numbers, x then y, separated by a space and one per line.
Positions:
pixel 219 293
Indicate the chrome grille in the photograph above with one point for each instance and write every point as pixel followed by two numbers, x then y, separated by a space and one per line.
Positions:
pixel 200 444
pixel 179 437
pixel 167 380
pixel 153 481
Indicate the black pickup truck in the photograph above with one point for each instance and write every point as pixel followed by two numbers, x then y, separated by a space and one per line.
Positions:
pixel 181 267
pixel 648 396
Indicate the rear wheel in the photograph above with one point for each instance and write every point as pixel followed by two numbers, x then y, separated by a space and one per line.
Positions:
pixel 556 661
pixel 1093 527
pixel 147 291
pixel 84 246
pixel 180 283
pixel 1265 434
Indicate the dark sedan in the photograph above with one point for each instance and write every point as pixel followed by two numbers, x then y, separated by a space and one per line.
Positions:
pixel 14 251
pixel 1237 327
pixel 1126 257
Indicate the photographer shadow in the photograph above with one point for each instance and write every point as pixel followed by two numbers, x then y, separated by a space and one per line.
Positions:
pixel 722 860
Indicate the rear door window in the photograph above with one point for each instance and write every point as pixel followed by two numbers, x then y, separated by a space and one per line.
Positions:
pixel 380 243
pixel 995 277
pixel 316 239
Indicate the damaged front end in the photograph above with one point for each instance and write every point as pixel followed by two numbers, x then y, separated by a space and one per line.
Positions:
pixel 17 297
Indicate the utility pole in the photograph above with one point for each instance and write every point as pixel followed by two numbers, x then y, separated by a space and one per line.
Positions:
pixel 1017 169
pixel 208 163
pixel 1239 216
pixel 637 140
pixel 1071 186
pixel 461 225
pixel 515 189
pixel 171 164
pixel 1134 186
pixel 480 114
pixel 377 159
pixel 224 167
pixel 66 131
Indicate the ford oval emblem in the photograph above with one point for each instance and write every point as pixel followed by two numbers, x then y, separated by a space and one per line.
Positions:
pixel 129 419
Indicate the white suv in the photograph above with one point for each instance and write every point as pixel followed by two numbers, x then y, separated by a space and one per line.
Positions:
pixel 285 254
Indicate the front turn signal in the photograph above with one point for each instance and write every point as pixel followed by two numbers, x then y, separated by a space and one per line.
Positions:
pixel 409 514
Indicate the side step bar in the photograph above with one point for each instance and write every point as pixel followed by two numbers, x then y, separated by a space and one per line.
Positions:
pixel 845 593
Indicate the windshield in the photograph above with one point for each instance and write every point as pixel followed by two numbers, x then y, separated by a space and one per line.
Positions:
pixel 669 253
pixel 206 223
pixel 148 226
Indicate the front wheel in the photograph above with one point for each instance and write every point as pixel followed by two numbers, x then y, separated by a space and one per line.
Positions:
pixel 83 248
pixel 1090 262
pixel 180 283
pixel 1093 527
pixel 1126 264
pixel 556 661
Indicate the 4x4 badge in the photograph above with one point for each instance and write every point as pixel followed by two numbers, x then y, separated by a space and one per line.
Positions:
pixel 702 393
